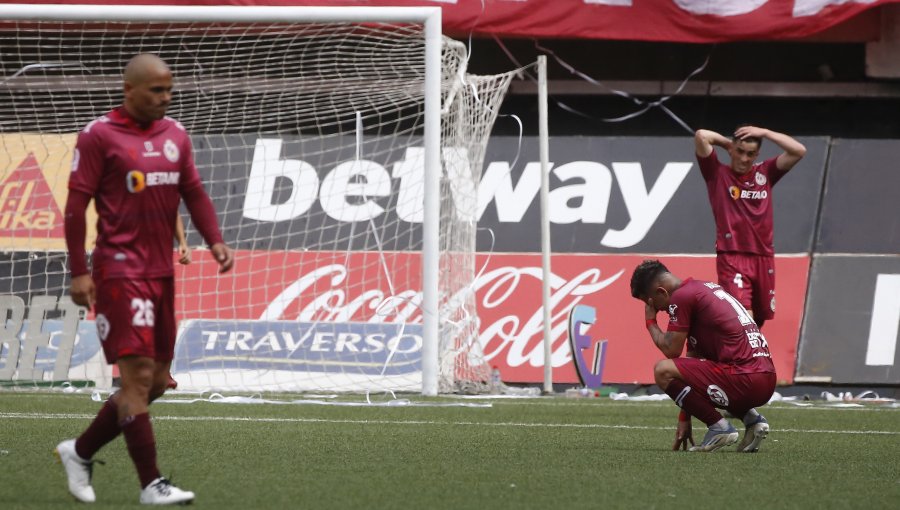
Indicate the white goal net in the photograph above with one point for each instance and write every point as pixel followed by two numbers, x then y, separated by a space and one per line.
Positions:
pixel 309 139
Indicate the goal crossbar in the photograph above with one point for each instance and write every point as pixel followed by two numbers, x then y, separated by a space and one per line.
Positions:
pixel 429 17
pixel 225 13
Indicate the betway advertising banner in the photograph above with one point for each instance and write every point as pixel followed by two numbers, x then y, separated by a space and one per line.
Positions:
pixel 647 20
pixel 852 326
pixel 274 311
pixel 608 195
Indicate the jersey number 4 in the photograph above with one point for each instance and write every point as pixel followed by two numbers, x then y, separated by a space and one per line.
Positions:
pixel 143 312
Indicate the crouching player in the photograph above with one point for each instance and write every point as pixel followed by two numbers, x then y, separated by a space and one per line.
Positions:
pixel 728 364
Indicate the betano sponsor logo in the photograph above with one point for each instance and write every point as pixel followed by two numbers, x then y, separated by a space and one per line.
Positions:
pixel 136 180
pixel 348 347
pixel 355 190
pixel 746 194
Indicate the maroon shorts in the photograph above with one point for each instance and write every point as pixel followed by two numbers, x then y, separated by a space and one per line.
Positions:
pixel 751 279
pixel 136 318
pixel 738 393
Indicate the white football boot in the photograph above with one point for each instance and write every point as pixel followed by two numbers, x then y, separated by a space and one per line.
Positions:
pixel 162 492
pixel 754 435
pixel 717 438
pixel 78 471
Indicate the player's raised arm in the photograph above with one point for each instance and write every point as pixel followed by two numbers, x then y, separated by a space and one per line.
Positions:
pixel 793 150
pixel 704 140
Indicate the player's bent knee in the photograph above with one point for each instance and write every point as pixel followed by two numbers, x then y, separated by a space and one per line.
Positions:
pixel 664 371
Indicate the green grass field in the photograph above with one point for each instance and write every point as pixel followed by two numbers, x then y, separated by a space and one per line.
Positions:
pixel 548 452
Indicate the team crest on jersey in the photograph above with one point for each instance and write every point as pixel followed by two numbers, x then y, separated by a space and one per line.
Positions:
pixel 760 179
pixel 717 395
pixel 171 151
pixel 672 310
pixel 102 326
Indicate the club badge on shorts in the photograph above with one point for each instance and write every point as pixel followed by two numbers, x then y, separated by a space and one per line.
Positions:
pixel 102 326
pixel 717 395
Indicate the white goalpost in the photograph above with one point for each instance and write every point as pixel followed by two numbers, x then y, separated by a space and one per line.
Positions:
pixel 342 148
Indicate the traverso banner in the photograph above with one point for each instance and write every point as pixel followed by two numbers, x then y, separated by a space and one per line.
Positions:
pixel 331 347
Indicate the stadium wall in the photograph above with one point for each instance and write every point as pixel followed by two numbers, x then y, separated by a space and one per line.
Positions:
pixel 850 334
pixel 615 201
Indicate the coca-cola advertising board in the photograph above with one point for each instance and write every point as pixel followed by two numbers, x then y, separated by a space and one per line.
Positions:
pixel 311 287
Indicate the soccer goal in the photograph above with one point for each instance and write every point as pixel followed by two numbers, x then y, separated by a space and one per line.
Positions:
pixel 342 148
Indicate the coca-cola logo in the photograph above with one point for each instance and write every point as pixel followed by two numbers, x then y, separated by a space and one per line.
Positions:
pixel 507 299
pixel 517 336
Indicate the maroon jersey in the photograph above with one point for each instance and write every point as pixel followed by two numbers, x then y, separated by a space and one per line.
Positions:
pixel 718 327
pixel 741 204
pixel 137 177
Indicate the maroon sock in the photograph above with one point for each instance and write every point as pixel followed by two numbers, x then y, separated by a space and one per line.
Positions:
pixel 694 403
pixel 138 433
pixel 102 430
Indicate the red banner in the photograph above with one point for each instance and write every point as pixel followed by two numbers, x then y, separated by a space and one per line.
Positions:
pixel 317 286
pixel 644 20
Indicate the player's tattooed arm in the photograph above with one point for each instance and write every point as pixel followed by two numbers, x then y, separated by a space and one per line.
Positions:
pixel 670 343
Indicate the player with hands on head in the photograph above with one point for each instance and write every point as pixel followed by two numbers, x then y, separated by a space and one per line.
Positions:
pixel 740 194
pixel 137 165
pixel 727 366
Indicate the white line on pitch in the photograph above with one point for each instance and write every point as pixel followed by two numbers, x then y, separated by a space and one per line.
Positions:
pixel 44 416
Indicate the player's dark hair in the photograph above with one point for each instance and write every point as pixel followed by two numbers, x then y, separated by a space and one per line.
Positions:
pixel 644 276
pixel 751 139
